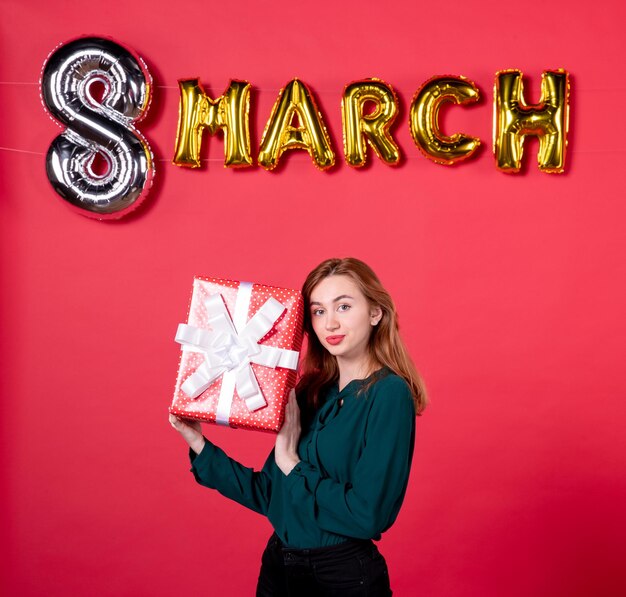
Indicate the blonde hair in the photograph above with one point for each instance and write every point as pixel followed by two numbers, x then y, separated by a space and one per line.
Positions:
pixel 386 348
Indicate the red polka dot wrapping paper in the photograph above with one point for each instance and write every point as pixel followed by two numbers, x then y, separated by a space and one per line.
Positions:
pixel 275 383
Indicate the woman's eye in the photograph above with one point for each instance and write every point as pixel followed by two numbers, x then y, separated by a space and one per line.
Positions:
pixel 344 307
pixel 318 312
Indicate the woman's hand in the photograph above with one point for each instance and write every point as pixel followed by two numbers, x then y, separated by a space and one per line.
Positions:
pixel 286 450
pixel 190 430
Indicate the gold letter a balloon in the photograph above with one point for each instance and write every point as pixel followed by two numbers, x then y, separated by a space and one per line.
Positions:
pixel 280 133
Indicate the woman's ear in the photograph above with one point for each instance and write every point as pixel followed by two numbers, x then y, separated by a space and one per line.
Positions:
pixel 376 314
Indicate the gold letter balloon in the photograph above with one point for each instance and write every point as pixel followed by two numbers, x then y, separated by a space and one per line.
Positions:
pixel 514 120
pixel 98 126
pixel 373 127
pixel 229 112
pixel 424 119
pixel 295 101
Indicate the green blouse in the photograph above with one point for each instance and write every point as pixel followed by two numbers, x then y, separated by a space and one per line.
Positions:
pixel 355 462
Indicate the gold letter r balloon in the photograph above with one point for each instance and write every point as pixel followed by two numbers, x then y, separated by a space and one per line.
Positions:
pixel 373 127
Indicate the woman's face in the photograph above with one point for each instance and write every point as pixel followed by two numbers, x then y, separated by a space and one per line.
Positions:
pixel 342 318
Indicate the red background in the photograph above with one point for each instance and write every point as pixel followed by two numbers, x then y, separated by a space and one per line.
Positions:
pixel 510 290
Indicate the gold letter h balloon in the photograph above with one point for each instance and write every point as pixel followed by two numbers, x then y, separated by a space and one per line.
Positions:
pixel 514 120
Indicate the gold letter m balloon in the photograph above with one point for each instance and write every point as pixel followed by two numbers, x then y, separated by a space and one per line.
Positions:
pixel 548 120
pixel 229 112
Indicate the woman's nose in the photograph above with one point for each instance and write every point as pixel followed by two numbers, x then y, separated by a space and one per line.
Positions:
pixel 331 322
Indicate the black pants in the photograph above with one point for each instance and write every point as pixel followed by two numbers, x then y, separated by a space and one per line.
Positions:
pixel 352 569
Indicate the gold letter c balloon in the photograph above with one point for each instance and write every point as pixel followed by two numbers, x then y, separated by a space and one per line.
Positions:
pixel 424 119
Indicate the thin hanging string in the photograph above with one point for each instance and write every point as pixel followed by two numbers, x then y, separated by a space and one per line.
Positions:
pixel 41 153
pixel 16 150
pixel 305 158
pixel 323 92
pixel 176 87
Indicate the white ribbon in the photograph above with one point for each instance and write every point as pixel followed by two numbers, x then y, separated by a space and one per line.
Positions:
pixel 229 348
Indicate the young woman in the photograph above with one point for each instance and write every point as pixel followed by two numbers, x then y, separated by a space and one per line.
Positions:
pixel 340 467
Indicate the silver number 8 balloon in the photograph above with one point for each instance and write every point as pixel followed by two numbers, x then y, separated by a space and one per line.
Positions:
pixel 98 126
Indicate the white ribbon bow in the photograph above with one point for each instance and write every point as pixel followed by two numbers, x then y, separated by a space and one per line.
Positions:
pixel 226 349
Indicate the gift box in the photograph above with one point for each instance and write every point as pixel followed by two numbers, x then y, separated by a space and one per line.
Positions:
pixel 239 353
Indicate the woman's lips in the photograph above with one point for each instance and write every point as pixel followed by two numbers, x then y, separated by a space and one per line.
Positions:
pixel 334 339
